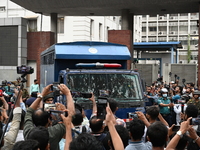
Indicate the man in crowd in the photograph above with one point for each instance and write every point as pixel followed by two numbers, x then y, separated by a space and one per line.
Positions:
pixel 35 87
pixel 164 105
pixel 195 100
pixel 38 117
pixel 136 132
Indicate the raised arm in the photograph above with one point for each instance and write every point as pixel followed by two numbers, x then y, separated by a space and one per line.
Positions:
pixel 142 117
pixel 116 140
pixel 94 105
pixel 11 135
pixel 160 117
pixel 70 104
pixel 45 92
pixel 68 124
pixel 183 128
pixel 5 104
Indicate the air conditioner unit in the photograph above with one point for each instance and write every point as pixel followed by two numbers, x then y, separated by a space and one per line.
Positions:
pixel 161 17
pixel 195 32
pixel 160 33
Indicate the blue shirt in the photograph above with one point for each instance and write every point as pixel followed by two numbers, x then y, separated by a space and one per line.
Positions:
pixel 166 109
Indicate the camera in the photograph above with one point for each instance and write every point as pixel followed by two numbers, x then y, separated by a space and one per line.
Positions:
pixel 101 108
pixel 49 107
pixel 24 70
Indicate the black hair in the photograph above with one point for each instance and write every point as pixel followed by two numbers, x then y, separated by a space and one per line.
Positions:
pixel 96 124
pixel 123 133
pixel 85 141
pixel 113 104
pixel 1 103
pixel 41 135
pixel 191 111
pixel 153 112
pixel 136 129
pixel 26 145
pixel 77 119
pixel 181 89
pixel 35 80
pixel 34 94
pixel 40 117
pixel 157 133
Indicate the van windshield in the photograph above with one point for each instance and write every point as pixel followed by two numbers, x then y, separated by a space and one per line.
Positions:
pixel 124 87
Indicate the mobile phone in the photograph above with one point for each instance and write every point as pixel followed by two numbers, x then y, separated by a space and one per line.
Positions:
pixel 48 107
pixel 176 128
pixel 195 121
pixel 54 87
pixel 65 113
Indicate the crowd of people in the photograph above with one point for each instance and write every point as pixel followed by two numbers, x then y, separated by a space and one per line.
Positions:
pixel 39 121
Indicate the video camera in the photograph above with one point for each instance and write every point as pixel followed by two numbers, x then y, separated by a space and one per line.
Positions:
pixel 24 70
pixel 81 94
pixel 101 107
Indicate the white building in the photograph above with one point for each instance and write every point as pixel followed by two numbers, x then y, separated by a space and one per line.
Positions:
pixel 70 28
pixel 173 27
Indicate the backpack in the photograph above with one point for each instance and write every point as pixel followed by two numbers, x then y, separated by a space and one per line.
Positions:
pixel 1 92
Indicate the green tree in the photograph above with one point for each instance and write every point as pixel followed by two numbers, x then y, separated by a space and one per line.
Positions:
pixel 188 50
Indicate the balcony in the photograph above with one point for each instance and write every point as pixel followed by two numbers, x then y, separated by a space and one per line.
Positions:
pixel 173 23
pixel 152 18
pixel 152 33
pixel 183 17
pixel 183 32
pixel 162 24
pixel 152 24
pixel 183 23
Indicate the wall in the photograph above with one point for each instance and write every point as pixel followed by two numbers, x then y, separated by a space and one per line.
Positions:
pixel 123 37
pixel 38 42
pixel 21 48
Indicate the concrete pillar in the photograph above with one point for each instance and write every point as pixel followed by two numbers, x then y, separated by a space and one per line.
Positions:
pixel 172 55
pixel 127 20
pixel 127 24
pixel 198 82
pixel 54 23
pixel 177 58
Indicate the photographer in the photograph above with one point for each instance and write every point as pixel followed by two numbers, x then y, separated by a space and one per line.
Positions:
pixel 38 117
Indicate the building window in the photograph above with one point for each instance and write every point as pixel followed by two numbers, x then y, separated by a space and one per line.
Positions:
pixel 60 26
pixel 32 25
pixel 91 28
pixel 143 29
pixel 100 31
pixel 152 29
